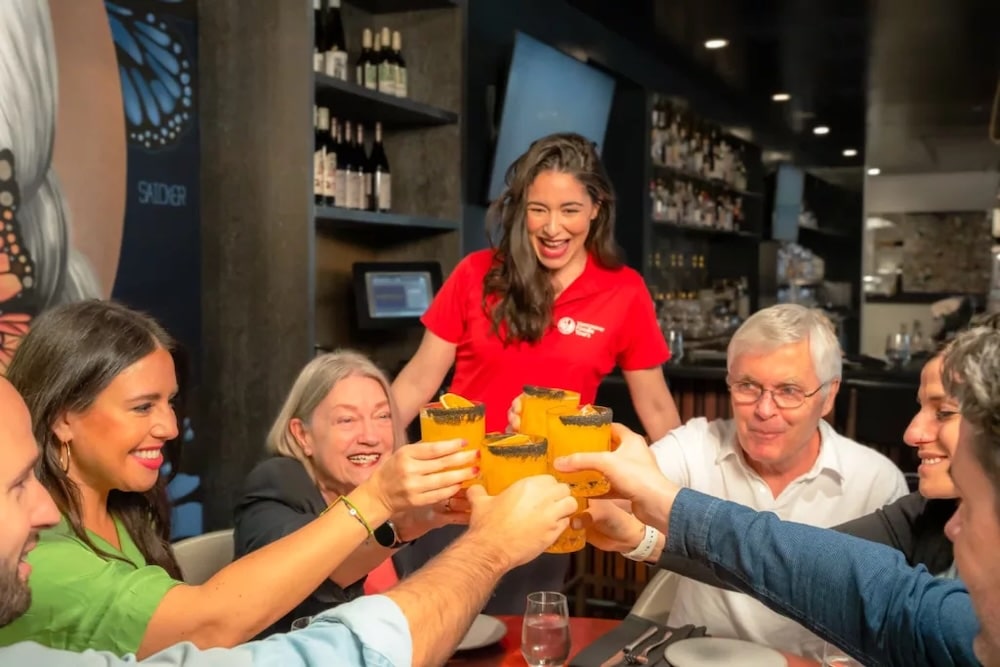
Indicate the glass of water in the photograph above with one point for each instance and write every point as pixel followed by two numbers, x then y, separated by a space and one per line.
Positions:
pixel 834 657
pixel 545 632
pixel 897 349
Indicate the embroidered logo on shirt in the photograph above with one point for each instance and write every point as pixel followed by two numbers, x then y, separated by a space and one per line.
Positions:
pixel 568 325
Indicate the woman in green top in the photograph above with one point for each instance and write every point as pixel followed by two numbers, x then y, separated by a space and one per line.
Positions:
pixel 99 379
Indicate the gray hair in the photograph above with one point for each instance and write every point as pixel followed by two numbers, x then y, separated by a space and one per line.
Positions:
pixel 785 324
pixel 29 82
pixel 314 382
pixel 971 374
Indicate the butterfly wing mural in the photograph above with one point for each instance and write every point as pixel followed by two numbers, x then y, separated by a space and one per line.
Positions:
pixel 16 267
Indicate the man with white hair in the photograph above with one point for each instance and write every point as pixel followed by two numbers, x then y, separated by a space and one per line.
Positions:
pixel 777 454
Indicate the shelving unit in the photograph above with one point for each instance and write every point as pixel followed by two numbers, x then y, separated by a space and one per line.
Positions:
pixel 706 231
pixel 356 101
pixel 331 217
pixel 394 6
pixel 712 183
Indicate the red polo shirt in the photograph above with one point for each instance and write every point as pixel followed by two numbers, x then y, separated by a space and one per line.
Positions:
pixel 603 319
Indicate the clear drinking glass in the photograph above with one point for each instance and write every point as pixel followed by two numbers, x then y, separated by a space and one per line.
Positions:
pixel 545 632
pixel 834 657
pixel 897 349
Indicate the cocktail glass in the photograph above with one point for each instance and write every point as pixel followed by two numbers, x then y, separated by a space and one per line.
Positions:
pixel 570 432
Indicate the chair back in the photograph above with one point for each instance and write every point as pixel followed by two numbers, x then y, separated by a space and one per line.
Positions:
pixel 657 597
pixel 200 557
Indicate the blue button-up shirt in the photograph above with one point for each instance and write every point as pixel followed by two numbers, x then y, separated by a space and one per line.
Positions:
pixel 858 595
pixel 370 631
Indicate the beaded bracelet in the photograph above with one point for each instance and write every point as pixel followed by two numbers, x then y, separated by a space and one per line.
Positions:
pixel 352 510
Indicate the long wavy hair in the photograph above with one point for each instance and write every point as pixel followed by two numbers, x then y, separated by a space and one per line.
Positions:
pixel 520 284
pixel 70 355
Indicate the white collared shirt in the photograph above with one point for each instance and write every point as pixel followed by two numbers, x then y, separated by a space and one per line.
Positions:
pixel 847 480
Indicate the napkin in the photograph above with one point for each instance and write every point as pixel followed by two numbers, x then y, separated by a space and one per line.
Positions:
pixel 630 628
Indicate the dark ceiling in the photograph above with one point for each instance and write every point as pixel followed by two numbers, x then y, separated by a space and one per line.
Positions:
pixel 920 75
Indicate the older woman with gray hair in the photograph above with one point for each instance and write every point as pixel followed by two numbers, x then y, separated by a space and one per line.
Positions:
pixel 338 424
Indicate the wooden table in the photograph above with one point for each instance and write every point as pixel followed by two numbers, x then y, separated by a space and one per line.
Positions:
pixel 507 652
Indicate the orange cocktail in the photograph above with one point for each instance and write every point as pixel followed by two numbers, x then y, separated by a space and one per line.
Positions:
pixel 508 458
pixel 536 403
pixel 572 539
pixel 454 417
pixel 572 430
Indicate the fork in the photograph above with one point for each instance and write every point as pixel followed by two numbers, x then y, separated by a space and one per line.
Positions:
pixel 642 658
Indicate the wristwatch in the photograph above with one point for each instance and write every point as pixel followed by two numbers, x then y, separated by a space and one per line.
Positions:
pixel 387 536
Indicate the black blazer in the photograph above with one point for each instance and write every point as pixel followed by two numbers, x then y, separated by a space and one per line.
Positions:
pixel 279 497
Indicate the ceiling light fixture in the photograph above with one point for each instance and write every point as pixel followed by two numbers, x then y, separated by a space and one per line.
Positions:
pixel 716 43
pixel 781 97
pixel 874 171
pixel 850 152
pixel 821 129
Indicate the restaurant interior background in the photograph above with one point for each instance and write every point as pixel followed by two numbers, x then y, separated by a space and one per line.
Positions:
pixel 832 152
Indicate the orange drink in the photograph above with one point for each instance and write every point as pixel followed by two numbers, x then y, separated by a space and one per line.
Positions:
pixel 572 539
pixel 537 401
pixel 454 417
pixel 508 458
pixel 572 430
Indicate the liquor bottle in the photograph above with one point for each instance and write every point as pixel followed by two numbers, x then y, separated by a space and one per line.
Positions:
pixel 381 199
pixel 319 153
pixel 366 73
pixel 330 175
pixel 336 53
pixel 365 194
pixel 340 192
pixel 386 65
pixel 319 36
pixel 352 168
pixel 397 53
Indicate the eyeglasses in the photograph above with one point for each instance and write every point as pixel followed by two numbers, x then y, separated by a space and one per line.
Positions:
pixel 786 397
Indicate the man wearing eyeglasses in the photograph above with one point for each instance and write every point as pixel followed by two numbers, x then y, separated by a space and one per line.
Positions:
pixel 776 454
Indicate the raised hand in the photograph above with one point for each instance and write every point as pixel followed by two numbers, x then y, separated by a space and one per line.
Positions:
pixel 524 520
pixel 422 474
pixel 514 414
pixel 609 527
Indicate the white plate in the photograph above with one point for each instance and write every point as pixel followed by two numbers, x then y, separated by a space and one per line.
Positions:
pixel 713 651
pixel 485 630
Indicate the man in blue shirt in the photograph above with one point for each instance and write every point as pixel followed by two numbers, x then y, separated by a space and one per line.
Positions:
pixel 860 596
pixel 441 599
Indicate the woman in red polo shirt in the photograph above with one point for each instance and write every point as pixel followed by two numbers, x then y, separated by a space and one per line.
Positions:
pixel 550 305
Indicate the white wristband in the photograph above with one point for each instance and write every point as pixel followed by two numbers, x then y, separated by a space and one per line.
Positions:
pixel 646 546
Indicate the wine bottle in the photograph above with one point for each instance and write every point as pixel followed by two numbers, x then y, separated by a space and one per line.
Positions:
pixel 397 53
pixel 319 36
pixel 366 73
pixel 355 171
pixel 336 54
pixel 387 66
pixel 340 191
pixel 330 176
pixel 381 199
pixel 366 169
pixel 321 118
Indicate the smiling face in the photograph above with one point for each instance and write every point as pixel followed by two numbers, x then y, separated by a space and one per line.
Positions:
pixel 117 442
pixel 975 531
pixel 934 433
pixel 558 215
pixel 25 506
pixel 348 435
pixel 780 438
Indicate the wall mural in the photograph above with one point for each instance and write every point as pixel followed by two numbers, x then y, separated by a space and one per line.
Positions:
pixel 99 176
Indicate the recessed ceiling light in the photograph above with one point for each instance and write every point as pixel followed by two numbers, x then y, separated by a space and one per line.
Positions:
pixel 874 171
pixel 716 43
pixel 781 97
pixel 850 152
pixel 821 129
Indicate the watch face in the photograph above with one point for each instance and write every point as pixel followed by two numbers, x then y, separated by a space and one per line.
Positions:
pixel 385 534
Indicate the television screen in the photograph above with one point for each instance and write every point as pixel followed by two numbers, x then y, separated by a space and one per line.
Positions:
pixel 788 189
pixel 394 294
pixel 547 91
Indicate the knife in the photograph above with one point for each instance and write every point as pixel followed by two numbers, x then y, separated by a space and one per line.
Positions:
pixel 619 657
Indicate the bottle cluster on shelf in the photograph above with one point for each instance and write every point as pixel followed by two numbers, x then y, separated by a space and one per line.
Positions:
pixel 676 274
pixel 380 65
pixel 682 141
pixel 345 173
pixel 681 202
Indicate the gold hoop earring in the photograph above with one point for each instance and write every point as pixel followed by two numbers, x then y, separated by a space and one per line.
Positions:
pixel 64 465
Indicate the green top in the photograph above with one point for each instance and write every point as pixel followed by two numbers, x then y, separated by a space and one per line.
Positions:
pixel 79 600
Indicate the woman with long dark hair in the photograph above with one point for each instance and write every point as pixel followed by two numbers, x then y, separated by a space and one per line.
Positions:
pixel 552 305
pixel 98 380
